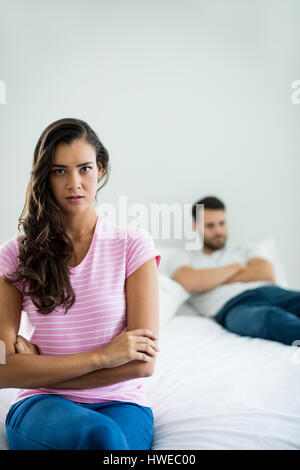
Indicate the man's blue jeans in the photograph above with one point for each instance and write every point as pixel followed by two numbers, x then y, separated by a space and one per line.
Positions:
pixel 269 312
pixel 52 422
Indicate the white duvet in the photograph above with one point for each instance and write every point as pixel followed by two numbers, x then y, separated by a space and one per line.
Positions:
pixel 215 390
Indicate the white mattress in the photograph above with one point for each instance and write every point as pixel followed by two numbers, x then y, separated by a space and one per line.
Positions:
pixel 215 390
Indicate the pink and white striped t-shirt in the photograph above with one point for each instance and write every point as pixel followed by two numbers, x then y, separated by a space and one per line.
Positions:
pixel 99 312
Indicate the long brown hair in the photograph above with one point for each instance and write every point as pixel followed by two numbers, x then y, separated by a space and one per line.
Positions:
pixel 45 250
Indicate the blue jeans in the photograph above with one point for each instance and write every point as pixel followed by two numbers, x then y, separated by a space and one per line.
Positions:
pixel 45 421
pixel 269 312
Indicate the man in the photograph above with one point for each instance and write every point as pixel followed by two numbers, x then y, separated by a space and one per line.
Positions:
pixel 236 286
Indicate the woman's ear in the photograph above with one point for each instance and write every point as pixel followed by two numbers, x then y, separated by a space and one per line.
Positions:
pixel 99 171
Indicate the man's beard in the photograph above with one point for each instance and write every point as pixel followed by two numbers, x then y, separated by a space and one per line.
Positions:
pixel 215 243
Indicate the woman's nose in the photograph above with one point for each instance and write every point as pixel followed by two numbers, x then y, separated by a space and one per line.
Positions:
pixel 74 181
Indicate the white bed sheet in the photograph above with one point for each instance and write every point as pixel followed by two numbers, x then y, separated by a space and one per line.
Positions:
pixel 216 390
pixel 213 389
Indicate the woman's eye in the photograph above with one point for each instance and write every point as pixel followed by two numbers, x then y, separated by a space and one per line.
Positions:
pixel 55 171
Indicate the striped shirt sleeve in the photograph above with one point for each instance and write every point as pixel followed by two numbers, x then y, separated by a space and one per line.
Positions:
pixel 9 260
pixel 140 248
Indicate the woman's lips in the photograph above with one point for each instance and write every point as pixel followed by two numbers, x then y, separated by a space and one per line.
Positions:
pixel 74 199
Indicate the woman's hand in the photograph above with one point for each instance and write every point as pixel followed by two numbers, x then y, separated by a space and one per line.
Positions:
pixel 24 346
pixel 127 346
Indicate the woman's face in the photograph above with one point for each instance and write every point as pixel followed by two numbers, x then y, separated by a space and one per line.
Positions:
pixel 74 172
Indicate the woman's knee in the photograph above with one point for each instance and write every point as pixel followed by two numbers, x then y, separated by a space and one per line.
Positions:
pixel 105 436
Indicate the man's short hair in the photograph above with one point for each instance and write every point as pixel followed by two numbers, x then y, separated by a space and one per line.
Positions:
pixel 210 202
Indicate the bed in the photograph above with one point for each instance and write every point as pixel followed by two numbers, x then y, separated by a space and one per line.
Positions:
pixel 212 389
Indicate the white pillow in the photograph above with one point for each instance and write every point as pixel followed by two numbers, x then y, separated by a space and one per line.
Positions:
pixel 171 297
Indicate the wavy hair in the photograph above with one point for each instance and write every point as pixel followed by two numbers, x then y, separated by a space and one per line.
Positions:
pixel 45 250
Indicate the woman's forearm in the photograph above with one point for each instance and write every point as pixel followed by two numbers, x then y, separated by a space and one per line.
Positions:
pixel 104 377
pixel 35 371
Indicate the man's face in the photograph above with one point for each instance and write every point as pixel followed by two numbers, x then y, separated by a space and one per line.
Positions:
pixel 215 229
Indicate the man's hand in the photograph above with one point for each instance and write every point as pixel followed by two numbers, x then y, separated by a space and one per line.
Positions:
pixel 24 346
pixel 257 269
pixel 203 280
pixel 242 267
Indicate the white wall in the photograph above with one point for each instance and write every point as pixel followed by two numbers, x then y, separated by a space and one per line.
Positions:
pixel 190 98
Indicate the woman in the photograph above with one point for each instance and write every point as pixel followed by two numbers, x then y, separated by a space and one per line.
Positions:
pixel 89 288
